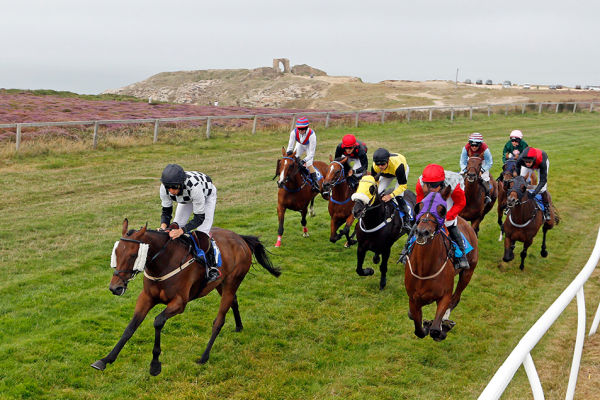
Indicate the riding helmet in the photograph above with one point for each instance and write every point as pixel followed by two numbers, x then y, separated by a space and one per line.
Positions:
pixel 173 175
pixel 302 122
pixel 348 141
pixel 433 173
pixel 516 134
pixel 381 156
pixel 529 153
pixel 476 138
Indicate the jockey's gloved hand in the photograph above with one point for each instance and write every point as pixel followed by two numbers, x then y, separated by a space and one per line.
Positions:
pixel 531 195
pixel 289 153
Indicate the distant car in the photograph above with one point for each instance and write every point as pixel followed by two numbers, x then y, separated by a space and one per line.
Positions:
pixel 559 86
pixel 578 87
pixel 468 81
pixel 594 87
pixel 527 86
pixel 586 87
pixel 506 84
pixel 489 82
pixel 479 82
pixel 552 87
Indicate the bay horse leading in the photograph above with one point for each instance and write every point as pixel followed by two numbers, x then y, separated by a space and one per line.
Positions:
pixel 335 185
pixel 429 269
pixel 476 208
pixel 524 220
pixel 379 226
pixel 173 276
pixel 295 191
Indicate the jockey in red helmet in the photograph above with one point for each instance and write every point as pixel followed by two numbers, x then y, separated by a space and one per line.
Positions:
pixel 303 140
pixel 477 148
pixel 534 160
pixel 435 179
pixel 357 158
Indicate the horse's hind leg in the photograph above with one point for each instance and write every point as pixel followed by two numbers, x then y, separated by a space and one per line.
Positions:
pixel 236 314
pixel 280 217
pixel 361 252
pixel 311 208
pixel 175 306
pixel 544 252
pixel 303 222
pixel 416 314
pixel 143 305
pixel 385 255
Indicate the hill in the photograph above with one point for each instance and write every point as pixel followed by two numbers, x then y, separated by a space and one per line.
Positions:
pixel 305 87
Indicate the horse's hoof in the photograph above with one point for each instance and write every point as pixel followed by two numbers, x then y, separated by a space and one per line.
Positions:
pixel 447 325
pixel 439 335
pixel 155 368
pixel 239 328
pixel 544 253
pixel 365 272
pixel 382 285
pixel 508 259
pixel 421 334
pixel 305 234
pixel 202 360
pixel 500 238
pixel 426 326
pixel 522 267
pixel 99 365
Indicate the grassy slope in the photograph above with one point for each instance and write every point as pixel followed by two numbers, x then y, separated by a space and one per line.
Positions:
pixel 319 331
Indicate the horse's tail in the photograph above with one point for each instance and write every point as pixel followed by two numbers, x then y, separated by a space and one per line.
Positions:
pixel 258 249
pixel 556 216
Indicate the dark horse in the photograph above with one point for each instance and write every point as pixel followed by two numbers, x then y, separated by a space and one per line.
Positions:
pixel 340 202
pixel 429 270
pixel 379 226
pixel 524 220
pixel 476 209
pixel 172 276
pixel 295 191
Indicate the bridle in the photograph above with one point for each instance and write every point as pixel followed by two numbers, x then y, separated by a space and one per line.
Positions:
pixel 295 169
pixel 340 177
pixel 472 176
pixel 428 238
pixel 511 204
pixel 132 272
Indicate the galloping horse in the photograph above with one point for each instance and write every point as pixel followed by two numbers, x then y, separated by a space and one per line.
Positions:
pixel 523 220
pixel 476 209
pixel 295 191
pixel 379 226
pixel 340 201
pixel 509 171
pixel 429 269
pixel 172 276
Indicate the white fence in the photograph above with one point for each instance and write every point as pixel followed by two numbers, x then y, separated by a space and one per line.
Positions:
pixel 452 110
pixel 522 353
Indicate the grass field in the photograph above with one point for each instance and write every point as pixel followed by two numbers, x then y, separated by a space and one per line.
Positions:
pixel 317 332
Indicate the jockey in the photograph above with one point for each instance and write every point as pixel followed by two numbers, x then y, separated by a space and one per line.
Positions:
pixel 435 179
pixel 193 192
pixel 514 147
pixel 304 140
pixel 357 158
pixel 477 148
pixel 532 160
pixel 388 167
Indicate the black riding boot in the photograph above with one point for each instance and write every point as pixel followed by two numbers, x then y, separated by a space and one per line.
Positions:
pixel 546 206
pixel 486 187
pixel 457 237
pixel 405 251
pixel 407 220
pixel 314 183
pixel 212 272
pixel 353 183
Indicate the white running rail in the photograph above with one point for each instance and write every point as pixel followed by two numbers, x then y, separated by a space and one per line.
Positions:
pixel 522 353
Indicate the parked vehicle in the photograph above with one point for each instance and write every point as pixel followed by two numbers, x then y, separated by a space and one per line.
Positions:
pixel 478 82
pixel 506 84
pixel 526 86
pixel 468 81
pixel 552 87
pixel 489 82
pixel 559 86
pixel 578 87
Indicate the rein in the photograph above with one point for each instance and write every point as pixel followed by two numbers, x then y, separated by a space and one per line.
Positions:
pixel 340 178
pixel 437 230
pixel 304 181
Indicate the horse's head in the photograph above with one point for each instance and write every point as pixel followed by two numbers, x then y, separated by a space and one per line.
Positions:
pixel 473 170
pixel 336 173
pixel 509 171
pixel 365 194
pixel 287 167
pixel 431 214
pixel 516 190
pixel 128 258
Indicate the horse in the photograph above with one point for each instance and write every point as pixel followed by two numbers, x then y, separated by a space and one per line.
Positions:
pixel 379 226
pixel 509 171
pixel 340 202
pixel 429 268
pixel 295 191
pixel 523 221
pixel 173 276
pixel 476 209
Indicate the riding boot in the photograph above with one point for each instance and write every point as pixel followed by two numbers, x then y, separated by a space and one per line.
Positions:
pixel 486 187
pixel 314 183
pixel 407 221
pixel 212 272
pixel 406 250
pixel 457 238
pixel 546 206
pixel 352 183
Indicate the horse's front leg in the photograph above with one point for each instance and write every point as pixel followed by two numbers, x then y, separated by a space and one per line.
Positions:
pixel 436 331
pixel 475 225
pixel 143 305
pixel 524 253
pixel 415 313
pixel 227 300
pixel 346 231
pixel 175 306
pixel 335 224
pixel 544 252
pixel 361 252
pixel 385 255
pixel 303 222
pixel 280 217
pixel 509 246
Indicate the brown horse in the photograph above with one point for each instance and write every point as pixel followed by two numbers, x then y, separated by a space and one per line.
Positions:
pixel 340 203
pixel 476 209
pixel 429 270
pixel 295 192
pixel 172 276
pixel 523 221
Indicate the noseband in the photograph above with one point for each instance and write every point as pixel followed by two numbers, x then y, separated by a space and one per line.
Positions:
pixel 133 272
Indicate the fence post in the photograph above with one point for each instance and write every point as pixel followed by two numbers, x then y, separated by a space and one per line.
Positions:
pixel 489 111
pixel 523 108
pixel 18 139
pixel 574 107
pixel 293 121
pixel 470 112
pixel 452 114
pixel 254 124
pixel 557 104
pixel 327 121
pixel 382 116
pixel 592 106
pixel 155 131
pixel 208 128
pixel 356 120
pixel 430 114
pixel 408 116
pixel 540 109
pixel 95 134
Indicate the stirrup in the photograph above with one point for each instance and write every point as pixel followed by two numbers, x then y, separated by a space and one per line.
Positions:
pixel 488 200
pixel 212 274
pixel 462 263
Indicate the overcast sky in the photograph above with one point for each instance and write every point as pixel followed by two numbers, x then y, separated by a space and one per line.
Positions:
pixel 90 46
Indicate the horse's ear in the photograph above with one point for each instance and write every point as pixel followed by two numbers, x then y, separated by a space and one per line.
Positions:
pixel 278 167
pixel 330 158
pixel 143 229
pixel 125 225
pixel 418 208
pixel 283 152
pixel 372 189
pixel 441 210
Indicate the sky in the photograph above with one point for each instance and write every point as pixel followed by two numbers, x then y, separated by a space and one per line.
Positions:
pixel 88 46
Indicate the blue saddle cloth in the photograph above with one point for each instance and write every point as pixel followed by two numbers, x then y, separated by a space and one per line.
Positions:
pixel 540 203
pixel 457 252
pixel 200 253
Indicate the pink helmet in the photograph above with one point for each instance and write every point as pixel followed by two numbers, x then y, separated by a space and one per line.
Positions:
pixel 476 138
pixel 517 134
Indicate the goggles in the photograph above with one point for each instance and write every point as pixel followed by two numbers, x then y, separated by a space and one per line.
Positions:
pixel 474 143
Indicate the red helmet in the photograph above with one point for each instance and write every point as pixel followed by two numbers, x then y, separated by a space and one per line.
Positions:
pixel 433 173
pixel 348 141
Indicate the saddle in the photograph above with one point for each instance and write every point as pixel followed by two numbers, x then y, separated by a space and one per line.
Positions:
pixel 192 240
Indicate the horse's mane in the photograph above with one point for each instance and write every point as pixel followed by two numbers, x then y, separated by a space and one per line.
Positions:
pixel 179 241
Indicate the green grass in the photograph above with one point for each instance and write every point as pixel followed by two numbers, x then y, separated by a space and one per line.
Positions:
pixel 319 331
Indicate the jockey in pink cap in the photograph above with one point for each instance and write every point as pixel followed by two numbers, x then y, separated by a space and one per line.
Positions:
pixel 303 140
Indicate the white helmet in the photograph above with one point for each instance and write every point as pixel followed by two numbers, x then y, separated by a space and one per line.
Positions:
pixel 516 134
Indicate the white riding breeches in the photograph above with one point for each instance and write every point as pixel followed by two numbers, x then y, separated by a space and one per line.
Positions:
pixel 184 211
pixel 385 183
